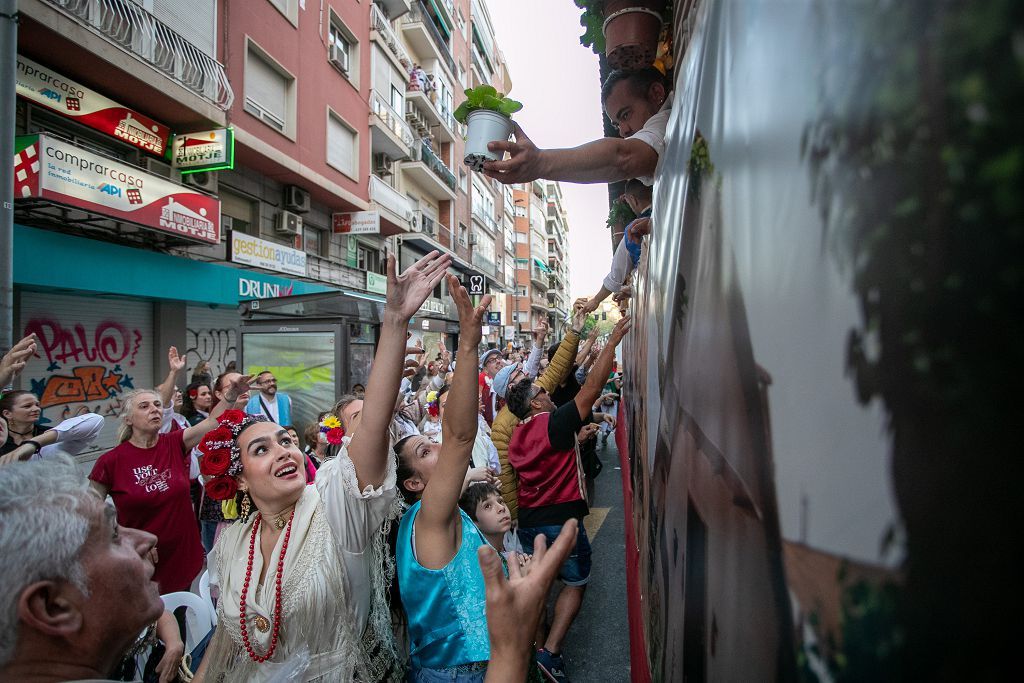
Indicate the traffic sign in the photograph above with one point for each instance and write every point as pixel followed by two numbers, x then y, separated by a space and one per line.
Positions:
pixel 475 286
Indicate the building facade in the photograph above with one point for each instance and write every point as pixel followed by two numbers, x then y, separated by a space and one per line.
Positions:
pixel 343 150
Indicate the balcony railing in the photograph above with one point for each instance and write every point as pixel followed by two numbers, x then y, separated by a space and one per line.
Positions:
pixel 381 24
pixel 389 198
pixel 486 219
pixel 428 226
pixel 395 123
pixel 423 152
pixel 418 13
pixel 482 262
pixel 134 29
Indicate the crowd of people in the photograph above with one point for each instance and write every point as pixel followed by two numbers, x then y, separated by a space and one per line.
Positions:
pixel 412 533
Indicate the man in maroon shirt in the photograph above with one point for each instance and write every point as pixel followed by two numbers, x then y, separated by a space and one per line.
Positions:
pixel 544 453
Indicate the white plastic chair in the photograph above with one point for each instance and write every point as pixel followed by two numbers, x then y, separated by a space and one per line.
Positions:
pixel 199 618
pixel 204 593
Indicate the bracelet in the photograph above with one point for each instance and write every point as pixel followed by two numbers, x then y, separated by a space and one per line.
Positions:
pixel 30 442
pixel 576 332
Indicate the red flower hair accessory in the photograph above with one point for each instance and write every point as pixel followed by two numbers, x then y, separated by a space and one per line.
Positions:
pixel 221 488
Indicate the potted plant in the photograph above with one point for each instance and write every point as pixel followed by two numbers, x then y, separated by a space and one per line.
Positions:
pixel 487 114
pixel 626 31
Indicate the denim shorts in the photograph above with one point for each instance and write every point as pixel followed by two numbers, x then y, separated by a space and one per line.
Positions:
pixel 473 673
pixel 575 570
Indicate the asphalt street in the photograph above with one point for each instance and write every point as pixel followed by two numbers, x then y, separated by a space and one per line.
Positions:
pixel 597 645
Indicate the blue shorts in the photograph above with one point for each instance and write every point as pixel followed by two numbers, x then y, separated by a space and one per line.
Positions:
pixel 575 570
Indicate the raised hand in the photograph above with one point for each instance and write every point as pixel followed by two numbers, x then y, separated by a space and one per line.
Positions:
pixel 541 333
pixel 408 291
pixel 587 432
pixel 620 330
pixel 639 228
pixel 470 317
pixel 237 387
pixel 175 362
pixel 523 164
pixel 515 604
pixel 14 360
pixel 580 315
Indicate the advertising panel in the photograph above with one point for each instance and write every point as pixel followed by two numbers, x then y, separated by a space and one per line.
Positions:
pixel 356 223
pixel 253 251
pixel 54 169
pixel 210 150
pixel 49 89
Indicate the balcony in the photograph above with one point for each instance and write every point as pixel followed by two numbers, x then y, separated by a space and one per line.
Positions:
pixel 138 32
pixel 425 38
pixel 394 206
pixel 485 219
pixel 538 277
pixel 389 132
pixel 429 117
pixel 387 36
pixel 429 172
pixel 485 264
pixel 394 8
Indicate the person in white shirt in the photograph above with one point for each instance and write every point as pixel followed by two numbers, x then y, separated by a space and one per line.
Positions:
pixel 270 402
pixel 638 103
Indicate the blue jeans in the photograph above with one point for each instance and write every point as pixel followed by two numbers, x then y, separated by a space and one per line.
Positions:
pixel 575 571
pixel 208 532
pixel 455 675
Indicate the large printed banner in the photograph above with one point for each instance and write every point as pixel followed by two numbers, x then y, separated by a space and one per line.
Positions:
pixel 51 168
pixel 49 89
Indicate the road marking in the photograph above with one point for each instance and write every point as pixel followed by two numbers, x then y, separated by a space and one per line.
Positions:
pixel 592 522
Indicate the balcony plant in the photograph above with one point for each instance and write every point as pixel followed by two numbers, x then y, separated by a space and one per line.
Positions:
pixel 487 114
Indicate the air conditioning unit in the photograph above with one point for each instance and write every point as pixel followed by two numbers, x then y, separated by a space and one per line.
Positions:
pixel 383 164
pixel 296 199
pixel 204 180
pixel 160 168
pixel 288 223
pixel 338 58
pixel 472 239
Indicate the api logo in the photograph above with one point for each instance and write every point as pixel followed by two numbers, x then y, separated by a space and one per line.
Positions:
pixel 108 189
pixel 46 92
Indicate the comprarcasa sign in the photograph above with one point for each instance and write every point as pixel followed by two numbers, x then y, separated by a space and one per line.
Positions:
pixel 51 168
pixel 49 89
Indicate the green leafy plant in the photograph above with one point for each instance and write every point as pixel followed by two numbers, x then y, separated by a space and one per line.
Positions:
pixel 486 97
pixel 592 22
pixel 620 214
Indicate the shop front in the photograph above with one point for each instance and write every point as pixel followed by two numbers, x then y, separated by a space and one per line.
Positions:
pixel 105 315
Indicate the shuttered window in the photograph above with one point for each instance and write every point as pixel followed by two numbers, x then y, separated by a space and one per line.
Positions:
pixel 267 91
pixel 193 20
pixel 341 146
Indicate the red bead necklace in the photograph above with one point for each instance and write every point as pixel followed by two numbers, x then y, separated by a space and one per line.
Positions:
pixel 259 659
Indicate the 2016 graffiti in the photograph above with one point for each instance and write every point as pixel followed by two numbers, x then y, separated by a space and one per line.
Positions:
pixel 216 346
pixel 111 342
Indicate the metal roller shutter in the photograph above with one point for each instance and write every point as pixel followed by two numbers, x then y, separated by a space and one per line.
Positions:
pixel 211 335
pixel 91 351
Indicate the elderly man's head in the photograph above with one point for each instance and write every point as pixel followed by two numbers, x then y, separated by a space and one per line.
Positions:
pixel 77 587
pixel 632 97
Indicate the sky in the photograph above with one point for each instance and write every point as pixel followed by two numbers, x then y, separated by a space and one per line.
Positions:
pixel 557 81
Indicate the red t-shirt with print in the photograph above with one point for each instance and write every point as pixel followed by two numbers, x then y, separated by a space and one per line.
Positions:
pixel 150 488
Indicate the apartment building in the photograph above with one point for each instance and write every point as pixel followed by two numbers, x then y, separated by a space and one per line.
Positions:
pixel 557 230
pixel 178 159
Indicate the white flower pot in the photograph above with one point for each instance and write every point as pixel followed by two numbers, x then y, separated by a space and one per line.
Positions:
pixel 485 126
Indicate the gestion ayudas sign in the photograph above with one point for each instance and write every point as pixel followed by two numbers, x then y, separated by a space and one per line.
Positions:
pixel 54 169
pixel 49 89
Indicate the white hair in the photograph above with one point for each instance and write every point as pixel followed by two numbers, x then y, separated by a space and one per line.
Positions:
pixel 124 430
pixel 43 532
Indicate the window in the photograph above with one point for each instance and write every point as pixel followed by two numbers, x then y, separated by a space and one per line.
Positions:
pixel 242 211
pixel 316 241
pixel 342 152
pixel 462 75
pixel 269 91
pixel 462 180
pixel 340 49
pixel 397 100
pixel 522 238
pixel 368 258
pixel 463 233
pixel 289 8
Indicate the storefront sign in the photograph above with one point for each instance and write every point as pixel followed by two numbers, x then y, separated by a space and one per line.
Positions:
pixel 494 318
pixel 378 284
pixel 249 288
pixel 49 89
pixel 356 223
pixel 253 251
pixel 212 150
pixel 51 168
pixel 436 307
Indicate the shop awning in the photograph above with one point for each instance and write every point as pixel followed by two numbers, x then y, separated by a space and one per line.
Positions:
pixel 540 264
